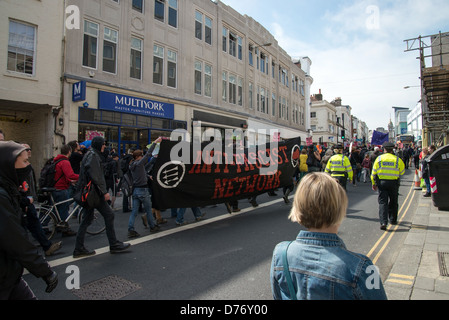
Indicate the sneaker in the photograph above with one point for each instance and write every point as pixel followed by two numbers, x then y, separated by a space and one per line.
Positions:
pixel 181 223
pixel 53 248
pixel 383 227
pixel 286 199
pixel 145 221
pixel 427 195
pixel 236 210
pixel 133 234
pixel 119 247
pixel 155 228
pixel 161 221
pixel 83 252
pixel 228 207
pixel 254 203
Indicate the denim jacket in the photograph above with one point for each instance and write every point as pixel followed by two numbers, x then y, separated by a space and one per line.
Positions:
pixel 323 269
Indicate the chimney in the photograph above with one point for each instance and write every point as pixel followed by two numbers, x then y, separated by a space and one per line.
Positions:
pixel 337 102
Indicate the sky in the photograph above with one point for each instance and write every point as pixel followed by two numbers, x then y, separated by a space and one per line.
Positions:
pixel 357 47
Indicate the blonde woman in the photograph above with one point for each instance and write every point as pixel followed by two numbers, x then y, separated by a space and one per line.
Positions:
pixel 317 265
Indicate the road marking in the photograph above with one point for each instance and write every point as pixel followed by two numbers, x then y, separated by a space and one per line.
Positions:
pixel 401 276
pixel 392 233
pixel 160 234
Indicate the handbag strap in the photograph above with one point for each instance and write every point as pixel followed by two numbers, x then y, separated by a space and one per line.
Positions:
pixel 287 275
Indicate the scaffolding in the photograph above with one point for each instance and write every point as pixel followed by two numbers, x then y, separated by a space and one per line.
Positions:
pixel 434 85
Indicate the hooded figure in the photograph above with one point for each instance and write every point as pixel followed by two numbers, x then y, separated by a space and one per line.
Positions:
pixel 16 250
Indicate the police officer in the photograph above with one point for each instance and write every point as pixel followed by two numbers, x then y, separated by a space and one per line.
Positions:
pixel 387 169
pixel 340 167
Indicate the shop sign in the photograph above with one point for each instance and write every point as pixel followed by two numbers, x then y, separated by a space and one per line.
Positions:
pixel 79 91
pixel 128 104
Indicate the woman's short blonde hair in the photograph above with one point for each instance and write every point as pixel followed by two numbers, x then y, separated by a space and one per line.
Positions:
pixel 320 202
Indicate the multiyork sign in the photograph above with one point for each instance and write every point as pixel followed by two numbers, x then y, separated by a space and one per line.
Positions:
pixel 121 103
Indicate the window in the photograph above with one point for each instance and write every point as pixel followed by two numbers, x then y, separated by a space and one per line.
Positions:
pixel 21 47
pixel 273 104
pixel 224 77
pixel 136 59
pixel 90 44
pixel 208 80
pixel 110 50
pixel 138 5
pixel 250 55
pixel 250 95
pixel 240 92
pixel 208 30
pixel 262 62
pixel 158 63
pixel 240 46
pixel 198 25
pixel 313 114
pixel 173 13
pixel 262 100
pixel 232 89
pixel 171 68
pixel 198 72
pixel 159 8
pixel 224 39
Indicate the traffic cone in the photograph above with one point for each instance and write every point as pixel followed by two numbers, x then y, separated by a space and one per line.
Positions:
pixel 417 181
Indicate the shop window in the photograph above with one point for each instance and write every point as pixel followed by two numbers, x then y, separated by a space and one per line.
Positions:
pixel 129 120
pixel 110 117
pixel 144 121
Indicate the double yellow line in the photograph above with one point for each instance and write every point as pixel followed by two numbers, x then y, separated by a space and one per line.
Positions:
pixel 391 228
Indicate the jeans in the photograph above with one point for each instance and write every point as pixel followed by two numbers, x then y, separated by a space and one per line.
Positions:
pixel 180 217
pixel 63 209
pixel 141 195
pixel 88 216
pixel 33 224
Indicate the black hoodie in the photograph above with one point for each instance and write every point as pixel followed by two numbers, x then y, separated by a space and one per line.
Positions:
pixel 16 250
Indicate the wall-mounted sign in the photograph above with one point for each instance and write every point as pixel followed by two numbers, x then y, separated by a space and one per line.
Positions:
pixel 121 103
pixel 79 91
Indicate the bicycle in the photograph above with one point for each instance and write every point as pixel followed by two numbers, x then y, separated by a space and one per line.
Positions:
pixel 51 220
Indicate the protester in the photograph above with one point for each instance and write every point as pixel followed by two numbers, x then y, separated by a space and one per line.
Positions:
pixel 16 250
pixel 91 170
pixel 320 266
pixel 141 194
pixel 303 169
pixel 27 181
pixel 313 159
pixel 110 169
pixel 64 178
pixel 366 165
pixel 76 156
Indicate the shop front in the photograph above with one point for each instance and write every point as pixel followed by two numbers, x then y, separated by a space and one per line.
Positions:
pixel 127 122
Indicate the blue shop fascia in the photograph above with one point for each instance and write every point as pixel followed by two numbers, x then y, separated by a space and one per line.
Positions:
pixel 124 120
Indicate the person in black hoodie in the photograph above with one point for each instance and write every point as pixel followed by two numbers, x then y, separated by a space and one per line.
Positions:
pixel 91 170
pixel 16 250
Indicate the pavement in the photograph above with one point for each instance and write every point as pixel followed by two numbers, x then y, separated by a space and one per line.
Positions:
pixel 421 269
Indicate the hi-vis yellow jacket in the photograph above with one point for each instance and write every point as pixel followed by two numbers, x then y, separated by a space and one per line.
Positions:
pixel 387 167
pixel 339 166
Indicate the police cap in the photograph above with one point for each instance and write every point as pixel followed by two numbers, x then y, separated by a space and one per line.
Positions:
pixel 388 145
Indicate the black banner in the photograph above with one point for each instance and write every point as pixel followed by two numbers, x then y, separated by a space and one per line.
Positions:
pixel 187 175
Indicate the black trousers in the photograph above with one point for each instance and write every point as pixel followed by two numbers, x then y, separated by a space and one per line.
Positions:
pixel 388 201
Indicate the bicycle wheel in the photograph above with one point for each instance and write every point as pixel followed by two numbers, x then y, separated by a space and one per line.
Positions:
pixel 97 226
pixel 48 221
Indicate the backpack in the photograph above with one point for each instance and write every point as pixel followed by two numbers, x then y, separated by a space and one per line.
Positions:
pixel 47 176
